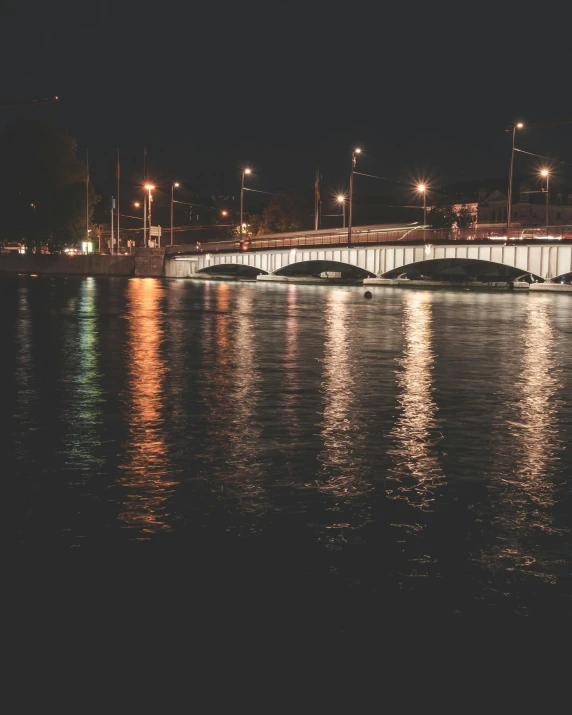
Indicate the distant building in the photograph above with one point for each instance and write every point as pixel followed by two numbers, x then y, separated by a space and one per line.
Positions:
pixel 488 199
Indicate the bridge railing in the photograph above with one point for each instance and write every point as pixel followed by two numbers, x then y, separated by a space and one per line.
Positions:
pixel 407 234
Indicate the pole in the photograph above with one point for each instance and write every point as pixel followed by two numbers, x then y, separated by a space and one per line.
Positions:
pixel 509 204
pixel 317 200
pixel 112 238
pixel 547 195
pixel 351 197
pixel 144 220
pixel 344 213
pixel 118 179
pixel 172 200
pixel 241 203
pixel 425 208
pixel 149 215
pixel 87 195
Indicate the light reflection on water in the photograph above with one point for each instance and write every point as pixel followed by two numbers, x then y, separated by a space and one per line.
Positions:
pixel 342 475
pixel 298 415
pixel 416 475
pixel 231 396
pixel 27 396
pixel 83 386
pixel 147 476
pixel 522 485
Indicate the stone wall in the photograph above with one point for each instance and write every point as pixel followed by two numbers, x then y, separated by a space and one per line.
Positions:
pixel 91 265
pixel 180 269
pixel 149 262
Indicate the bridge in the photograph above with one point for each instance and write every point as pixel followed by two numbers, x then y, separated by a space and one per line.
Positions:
pixel 380 254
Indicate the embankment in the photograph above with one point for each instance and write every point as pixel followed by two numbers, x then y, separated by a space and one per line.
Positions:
pixel 146 262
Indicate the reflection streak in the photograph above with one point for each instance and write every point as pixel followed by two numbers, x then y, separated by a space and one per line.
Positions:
pixel 342 471
pixel 416 473
pixel 146 466
pixel 523 491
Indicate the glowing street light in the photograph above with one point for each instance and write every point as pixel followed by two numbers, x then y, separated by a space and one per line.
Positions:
pixel 173 187
pixel 351 197
pixel 341 199
pixel 422 189
pixel 149 188
pixel 545 173
pixel 518 125
pixel 244 173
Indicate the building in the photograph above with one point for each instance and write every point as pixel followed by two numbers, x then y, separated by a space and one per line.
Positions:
pixel 488 199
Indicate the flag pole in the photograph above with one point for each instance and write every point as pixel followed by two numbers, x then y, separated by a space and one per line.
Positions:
pixel 317 200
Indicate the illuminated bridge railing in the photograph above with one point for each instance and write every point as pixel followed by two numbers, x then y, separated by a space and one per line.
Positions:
pixel 366 235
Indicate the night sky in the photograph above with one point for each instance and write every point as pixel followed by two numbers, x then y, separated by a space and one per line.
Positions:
pixel 426 89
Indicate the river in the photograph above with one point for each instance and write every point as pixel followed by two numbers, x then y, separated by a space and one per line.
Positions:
pixel 411 449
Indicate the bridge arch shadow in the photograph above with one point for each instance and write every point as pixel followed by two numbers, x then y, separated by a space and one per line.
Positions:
pixel 234 270
pixel 461 269
pixel 315 268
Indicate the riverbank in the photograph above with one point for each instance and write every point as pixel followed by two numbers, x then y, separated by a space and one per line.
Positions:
pixel 145 262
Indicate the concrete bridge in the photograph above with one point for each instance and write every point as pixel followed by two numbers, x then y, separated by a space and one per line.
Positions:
pixel 468 260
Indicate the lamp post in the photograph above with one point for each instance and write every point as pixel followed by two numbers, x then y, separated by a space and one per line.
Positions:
pixel 173 187
pixel 341 199
pixel 149 188
pixel 546 173
pixel 351 197
pixel 519 125
pixel 137 205
pixel 422 189
pixel 244 172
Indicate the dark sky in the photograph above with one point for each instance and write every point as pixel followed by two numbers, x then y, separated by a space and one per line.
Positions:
pixel 424 88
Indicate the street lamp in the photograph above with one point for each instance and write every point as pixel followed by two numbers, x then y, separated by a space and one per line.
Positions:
pixel 149 188
pixel 244 172
pixel 341 199
pixel 173 187
pixel 351 197
pixel 422 189
pixel 518 125
pixel 137 205
pixel 546 174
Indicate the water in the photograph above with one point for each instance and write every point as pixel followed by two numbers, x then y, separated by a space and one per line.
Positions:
pixel 404 452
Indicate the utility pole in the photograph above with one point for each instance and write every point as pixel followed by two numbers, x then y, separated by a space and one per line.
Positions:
pixel 317 200
pixel 144 219
pixel 118 179
pixel 351 197
pixel 519 125
pixel 112 237
pixel 87 195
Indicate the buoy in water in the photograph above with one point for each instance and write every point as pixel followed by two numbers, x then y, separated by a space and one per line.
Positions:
pixel 367 294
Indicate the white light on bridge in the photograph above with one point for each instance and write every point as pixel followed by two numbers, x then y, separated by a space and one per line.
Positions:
pixel 292 251
pixel 428 248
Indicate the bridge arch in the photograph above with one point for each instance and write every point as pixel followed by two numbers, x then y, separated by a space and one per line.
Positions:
pixel 316 267
pixel 461 269
pixel 233 270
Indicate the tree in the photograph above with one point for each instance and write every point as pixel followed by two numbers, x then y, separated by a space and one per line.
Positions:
pixel 465 217
pixel 441 216
pixel 286 211
pixel 42 186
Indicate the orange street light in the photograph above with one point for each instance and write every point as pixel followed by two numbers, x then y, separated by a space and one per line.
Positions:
pixel 173 187
pixel 244 172
pixel 341 199
pixel 351 196
pixel 518 125
pixel 422 189
pixel 546 173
